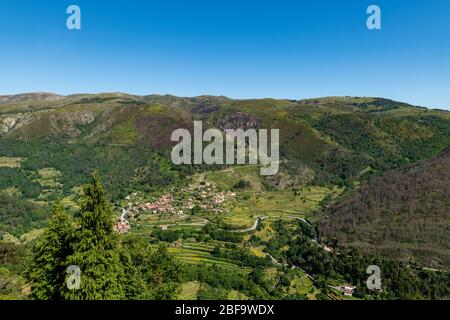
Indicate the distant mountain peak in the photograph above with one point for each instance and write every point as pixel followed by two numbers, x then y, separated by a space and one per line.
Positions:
pixel 46 96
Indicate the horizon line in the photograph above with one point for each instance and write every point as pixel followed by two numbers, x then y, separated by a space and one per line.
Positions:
pixel 218 96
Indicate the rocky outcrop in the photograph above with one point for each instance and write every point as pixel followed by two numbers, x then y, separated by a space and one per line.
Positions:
pixel 239 120
pixel 67 123
pixel 9 123
pixel 59 122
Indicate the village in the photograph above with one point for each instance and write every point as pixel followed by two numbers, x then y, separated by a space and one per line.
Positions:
pixel 181 204
pixel 193 199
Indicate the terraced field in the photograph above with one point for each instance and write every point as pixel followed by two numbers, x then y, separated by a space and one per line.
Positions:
pixel 279 204
pixel 189 290
pixel 200 253
pixel 10 162
pixel 241 212
pixel 147 223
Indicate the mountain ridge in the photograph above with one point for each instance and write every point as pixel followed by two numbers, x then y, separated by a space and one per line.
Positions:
pixel 8 98
pixel 331 142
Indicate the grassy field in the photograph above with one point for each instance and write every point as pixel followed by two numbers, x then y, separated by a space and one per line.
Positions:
pixel 226 179
pixel 69 204
pixel 257 202
pixel 13 191
pixel 236 295
pixel 200 253
pixel 279 204
pixel 10 162
pixel 33 234
pixel 48 178
pixel 192 252
pixel 301 284
pixel 257 251
pixel 189 290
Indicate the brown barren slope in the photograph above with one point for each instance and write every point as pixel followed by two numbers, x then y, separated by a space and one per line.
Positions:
pixel 403 214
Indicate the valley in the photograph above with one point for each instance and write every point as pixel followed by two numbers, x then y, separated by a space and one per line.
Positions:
pixel 340 202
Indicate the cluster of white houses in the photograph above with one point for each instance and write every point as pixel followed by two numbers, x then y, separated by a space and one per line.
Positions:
pixel 122 225
pixel 205 197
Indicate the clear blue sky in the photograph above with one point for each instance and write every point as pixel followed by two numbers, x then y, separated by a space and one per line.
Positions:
pixel 238 48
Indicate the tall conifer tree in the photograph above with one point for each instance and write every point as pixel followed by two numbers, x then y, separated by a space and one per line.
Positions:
pixel 95 248
pixel 47 267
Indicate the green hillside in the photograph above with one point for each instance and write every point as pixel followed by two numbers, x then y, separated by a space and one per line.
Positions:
pixel 368 173
pixel 323 141
pixel 403 214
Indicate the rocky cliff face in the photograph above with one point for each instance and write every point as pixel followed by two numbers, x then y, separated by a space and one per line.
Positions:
pixel 8 123
pixel 239 120
pixel 52 122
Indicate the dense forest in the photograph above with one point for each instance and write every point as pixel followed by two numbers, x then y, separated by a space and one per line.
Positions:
pixel 399 280
pixel 402 214
pixel 18 216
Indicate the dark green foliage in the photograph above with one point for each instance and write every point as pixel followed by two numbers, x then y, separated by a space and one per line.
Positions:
pixel 417 137
pixel 240 257
pixel 242 184
pixel 10 285
pixel 167 235
pixel 217 281
pixel 222 235
pixel 95 248
pixel 18 216
pixel 379 105
pixel 10 254
pixel 403 214
pixel 398 280
pixel 354 132
pixel 13 177
pixel 110 269
pixel 148 274
pixel 162 275
pixel 172 235
pixel 377 140
pixel 207 292
pixel 123 169
pixel 47 266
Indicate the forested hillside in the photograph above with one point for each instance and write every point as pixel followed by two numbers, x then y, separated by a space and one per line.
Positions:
pixel 404 214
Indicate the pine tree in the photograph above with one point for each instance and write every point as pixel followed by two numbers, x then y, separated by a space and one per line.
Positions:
pixel 134 255
pixel 95 249
pixel 163 275
pixel 46 269
pixel 149 275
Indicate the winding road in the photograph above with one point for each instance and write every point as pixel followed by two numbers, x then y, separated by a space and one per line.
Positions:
pixel 253 227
